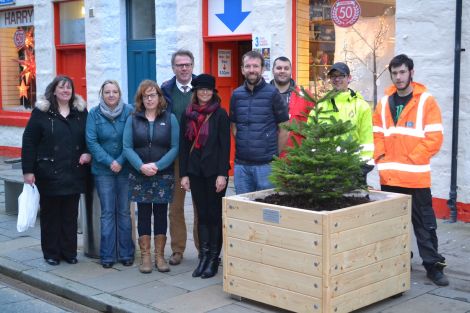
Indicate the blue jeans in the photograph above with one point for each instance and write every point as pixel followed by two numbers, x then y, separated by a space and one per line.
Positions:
pixel 249 178
pixel 116 229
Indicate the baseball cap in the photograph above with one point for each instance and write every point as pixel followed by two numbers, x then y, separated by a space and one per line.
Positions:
pixel 340 67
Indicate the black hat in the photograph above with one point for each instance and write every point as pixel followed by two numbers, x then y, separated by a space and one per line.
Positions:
pixel 340 67
pixel 203 81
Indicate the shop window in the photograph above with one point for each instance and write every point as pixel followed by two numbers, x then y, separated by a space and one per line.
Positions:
pixel 367 46
pixel 72 22
pixel 17 60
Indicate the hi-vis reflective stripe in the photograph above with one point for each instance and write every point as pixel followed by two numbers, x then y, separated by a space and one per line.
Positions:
pixel 368 147
pixel 404 167
pixel 417 131
pixel 434 128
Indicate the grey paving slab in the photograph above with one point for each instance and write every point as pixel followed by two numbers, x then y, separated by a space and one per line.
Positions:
pixel 186 281
pixel 114 279
pixel 9 295
pixel 83 270
pixel 4 238
pixel 31 306
pixel 233 308
pixel 428 303
pixel 10 267
pixel 121 305
pixel 17 243
pixel 199 301
pixel 152 292
pixel 25 254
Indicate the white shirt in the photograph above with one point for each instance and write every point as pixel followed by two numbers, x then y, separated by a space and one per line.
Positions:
pixel 180 86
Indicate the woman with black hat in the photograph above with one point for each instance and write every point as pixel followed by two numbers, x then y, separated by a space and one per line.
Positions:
pixel 204 165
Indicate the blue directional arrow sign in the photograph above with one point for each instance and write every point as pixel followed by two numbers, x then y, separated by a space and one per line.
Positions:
pixel 233 15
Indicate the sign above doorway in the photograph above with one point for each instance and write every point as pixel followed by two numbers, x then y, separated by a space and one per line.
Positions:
pixel 229 17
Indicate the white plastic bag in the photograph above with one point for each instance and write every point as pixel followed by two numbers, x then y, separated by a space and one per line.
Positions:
pixel 28 207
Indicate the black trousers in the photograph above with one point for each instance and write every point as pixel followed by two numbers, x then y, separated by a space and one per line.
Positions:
pixel 424 223
pixel 144 218
pixel 208 202
pixel 58 216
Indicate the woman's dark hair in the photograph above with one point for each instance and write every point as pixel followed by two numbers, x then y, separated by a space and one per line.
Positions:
pixel 139 100
pixel 399 60
pixel 50 89
pixel 215 97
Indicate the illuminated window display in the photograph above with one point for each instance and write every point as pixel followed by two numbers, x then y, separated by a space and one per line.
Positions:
pixel 366 46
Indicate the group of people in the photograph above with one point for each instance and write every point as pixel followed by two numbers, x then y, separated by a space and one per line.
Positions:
pixel 178 134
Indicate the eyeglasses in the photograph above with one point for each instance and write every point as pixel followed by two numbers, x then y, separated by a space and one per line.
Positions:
pixel 150 96
pixel 183 65
pixel 333 77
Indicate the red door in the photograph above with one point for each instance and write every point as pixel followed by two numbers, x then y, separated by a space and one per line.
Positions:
pixel 71 62
pixel 227 77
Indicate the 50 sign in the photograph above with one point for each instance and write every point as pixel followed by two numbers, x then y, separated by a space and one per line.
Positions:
pixel 345 13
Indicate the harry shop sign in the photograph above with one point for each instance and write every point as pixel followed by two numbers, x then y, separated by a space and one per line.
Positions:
pixel 344 13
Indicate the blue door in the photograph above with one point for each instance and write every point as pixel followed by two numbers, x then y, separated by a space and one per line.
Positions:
pixel 141 57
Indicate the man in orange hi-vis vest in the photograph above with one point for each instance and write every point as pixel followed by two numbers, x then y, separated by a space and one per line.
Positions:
pixel 407 133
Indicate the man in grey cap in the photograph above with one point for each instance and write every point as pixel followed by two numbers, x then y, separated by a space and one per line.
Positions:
pixel 347 104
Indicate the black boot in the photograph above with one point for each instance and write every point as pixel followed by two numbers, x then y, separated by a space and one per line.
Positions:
pixel 203 233
pixel 214 251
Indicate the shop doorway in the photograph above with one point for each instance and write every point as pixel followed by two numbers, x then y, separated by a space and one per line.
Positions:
pixel 223 61
pixel 141 47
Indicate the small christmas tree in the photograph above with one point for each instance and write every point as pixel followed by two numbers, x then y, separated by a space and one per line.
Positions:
pixel 326 165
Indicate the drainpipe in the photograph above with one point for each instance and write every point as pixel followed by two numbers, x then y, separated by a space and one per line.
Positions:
pixel 452 202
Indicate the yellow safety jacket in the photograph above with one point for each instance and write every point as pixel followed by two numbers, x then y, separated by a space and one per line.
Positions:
pixel 350 105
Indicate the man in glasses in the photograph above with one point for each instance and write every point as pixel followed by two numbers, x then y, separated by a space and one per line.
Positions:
pixel 177 92
pixel 346 104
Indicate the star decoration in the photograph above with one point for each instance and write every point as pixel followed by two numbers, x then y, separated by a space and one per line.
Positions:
pixel 23 89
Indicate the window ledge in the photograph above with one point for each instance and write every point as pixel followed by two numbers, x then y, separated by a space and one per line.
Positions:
pixel 18 119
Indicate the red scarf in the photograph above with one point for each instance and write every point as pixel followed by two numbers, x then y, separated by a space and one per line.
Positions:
pixel 196 128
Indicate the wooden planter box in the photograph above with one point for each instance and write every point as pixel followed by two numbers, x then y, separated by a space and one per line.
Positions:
pixel 307 261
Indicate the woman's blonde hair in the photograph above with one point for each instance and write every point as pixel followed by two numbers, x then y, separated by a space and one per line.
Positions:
pixel 112 82
pixel 139 100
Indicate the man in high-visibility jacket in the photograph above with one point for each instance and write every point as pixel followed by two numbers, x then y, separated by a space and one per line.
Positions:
pixel 348 104
pixel 407 133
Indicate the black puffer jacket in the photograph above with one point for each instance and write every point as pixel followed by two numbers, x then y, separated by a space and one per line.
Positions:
pixel 52 146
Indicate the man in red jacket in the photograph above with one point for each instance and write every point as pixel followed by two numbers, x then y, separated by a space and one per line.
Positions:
pixel 298 106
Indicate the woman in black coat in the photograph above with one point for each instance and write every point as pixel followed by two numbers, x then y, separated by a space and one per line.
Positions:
pixel 204 166
pixel 55 158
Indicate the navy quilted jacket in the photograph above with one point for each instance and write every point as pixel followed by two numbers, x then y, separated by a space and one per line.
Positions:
pixel 257 114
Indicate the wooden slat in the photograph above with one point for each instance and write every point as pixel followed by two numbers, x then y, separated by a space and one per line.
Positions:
pixel 288 259
pixel 274 276
pixel 274 296
pixel 364 276
pixel 368 213
pixel 274 236
pixel 370 294
pixel 361 236
pixel 326 300
pixel 369 254
pixel 291 218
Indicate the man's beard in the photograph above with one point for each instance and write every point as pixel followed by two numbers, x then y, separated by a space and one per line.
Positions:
pixel 410 79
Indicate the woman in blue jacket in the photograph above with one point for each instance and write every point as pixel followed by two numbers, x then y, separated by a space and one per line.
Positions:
pixel 104 131
pixel 150 142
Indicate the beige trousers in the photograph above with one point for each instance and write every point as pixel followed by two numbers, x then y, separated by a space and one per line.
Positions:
pixel 177 227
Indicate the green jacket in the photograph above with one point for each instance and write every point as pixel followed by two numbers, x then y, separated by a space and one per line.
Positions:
pixel 350 105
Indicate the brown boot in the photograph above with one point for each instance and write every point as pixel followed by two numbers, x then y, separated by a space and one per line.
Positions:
pixel 146 261
pixel 160 263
